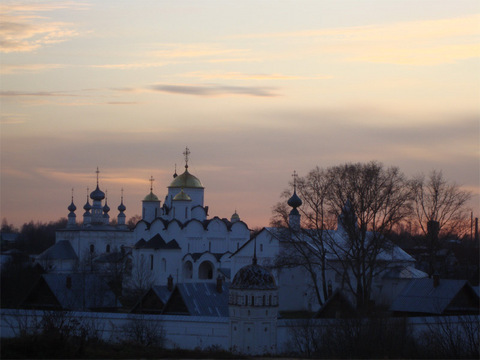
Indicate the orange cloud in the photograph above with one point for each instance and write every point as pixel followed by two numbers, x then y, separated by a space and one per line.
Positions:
pixel 427 42
pixel 241 76
pixel 23 30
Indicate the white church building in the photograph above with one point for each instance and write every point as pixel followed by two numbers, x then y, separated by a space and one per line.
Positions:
pixel 178 242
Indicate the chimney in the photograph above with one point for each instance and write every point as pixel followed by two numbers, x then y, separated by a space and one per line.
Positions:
pixel 219 284
pixel 69 282
pixel 436 280
pixel 170 283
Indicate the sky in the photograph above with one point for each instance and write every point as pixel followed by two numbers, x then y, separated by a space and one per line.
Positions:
pixel 255 89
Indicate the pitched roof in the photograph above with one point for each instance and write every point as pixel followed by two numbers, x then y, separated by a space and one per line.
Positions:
pixel 199 299
pixel 61 250
pixel 157 242
pixel 421 296
pixel 82 291
pixel 407 272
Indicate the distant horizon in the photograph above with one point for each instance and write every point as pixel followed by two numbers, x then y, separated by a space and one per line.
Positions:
pixel 256 90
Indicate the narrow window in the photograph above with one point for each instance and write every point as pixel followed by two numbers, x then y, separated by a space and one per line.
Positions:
pixel 186 213
pixel 270 299
pixel 107 249
pixel 261 247
pixel 246 299
pixel 143 213
pixel 263 300
pixel 151 262
pixel 92 248
pixel 253 300
pixel 209 246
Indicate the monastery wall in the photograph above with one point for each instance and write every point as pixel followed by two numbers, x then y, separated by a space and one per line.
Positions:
pixel 190 332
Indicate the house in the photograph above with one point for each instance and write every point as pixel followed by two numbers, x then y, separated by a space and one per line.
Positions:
pixel 422 297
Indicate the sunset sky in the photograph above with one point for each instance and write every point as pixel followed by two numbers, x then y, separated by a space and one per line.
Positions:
pixel 255 89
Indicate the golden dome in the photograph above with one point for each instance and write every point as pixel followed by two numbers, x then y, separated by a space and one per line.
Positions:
pixel 151 197
pixel 186 180
pixel 182 196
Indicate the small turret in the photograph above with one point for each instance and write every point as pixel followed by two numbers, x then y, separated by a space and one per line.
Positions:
pixel 87 217
pixel 294 202
pixel 121 216
pixel 151 205
pixel 106 209
pixel 72 218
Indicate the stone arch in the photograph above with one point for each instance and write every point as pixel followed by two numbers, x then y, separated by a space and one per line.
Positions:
pixel 205 270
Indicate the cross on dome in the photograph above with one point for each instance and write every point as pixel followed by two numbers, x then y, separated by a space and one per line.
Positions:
pixel 151 183
pixel 186 153
pixel 294 175
pixel 98 172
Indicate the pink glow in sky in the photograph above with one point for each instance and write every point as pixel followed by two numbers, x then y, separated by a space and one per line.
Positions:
pixel 255 89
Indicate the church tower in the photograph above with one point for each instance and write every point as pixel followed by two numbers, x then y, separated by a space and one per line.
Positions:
pixel 294 202
pixel 187 183
pixel 253 308
pixel 150 205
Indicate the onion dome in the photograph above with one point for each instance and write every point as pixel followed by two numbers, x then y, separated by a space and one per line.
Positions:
pixel 121 207
pixel 72 207
pixel 254 277
pixel 186 180
pixel 97 194
pixel 87 207
pixel 151 197
pixel 235 217
pixel 294 201
pixel 106 208
pixel 182 196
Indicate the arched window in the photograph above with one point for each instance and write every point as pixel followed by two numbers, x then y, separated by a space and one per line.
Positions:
pixel 92 248
pixel 107 249
pixel 205 270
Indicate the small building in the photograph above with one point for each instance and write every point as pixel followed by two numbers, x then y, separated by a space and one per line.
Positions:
pixel 422 297
pixel 79 291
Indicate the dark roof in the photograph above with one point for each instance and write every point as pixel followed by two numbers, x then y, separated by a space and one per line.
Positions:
pixel 421 296
pixel 254 277
pixel 61 250
pixel 156 242
pixel 80 291
pixel 337 305
pixel 198 299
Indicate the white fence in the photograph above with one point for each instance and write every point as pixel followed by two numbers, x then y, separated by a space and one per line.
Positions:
pixel 191 332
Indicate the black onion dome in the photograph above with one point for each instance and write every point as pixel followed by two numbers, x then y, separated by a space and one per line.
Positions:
pixel 121 207
pixel 106 208
pixel 294 201
pixel 87 206
pixel 72 207
pixel 97 194
pixel 253 277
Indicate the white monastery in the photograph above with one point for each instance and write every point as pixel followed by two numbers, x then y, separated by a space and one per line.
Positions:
pixel 180 249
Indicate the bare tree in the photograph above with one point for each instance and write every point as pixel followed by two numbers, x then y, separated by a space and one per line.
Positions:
pixel 305 246
pixel 440 210
pixel 369 200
